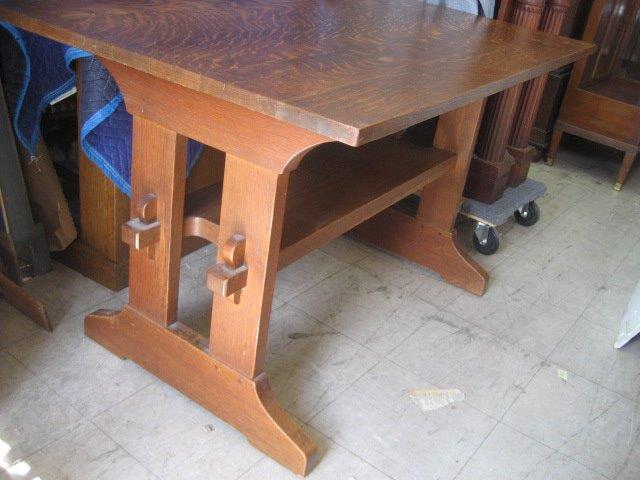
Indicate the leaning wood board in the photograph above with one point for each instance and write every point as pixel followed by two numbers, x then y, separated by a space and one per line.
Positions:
pixel 270 83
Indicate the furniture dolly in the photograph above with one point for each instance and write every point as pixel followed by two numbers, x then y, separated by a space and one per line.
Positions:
pixel 303 96
pixel 518 201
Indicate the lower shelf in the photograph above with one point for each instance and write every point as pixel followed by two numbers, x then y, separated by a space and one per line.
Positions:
pixel 335 188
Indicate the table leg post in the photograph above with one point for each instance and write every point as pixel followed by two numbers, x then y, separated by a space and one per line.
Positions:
pixel 159 169
pixel 253 203
pixel 429 237
pixel 440 201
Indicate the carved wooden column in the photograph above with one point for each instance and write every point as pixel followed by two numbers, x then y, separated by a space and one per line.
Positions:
pixel 491 166
pixel 530 99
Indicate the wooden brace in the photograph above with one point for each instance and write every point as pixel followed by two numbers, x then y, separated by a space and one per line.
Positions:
pixel 144 231
pixel 228 277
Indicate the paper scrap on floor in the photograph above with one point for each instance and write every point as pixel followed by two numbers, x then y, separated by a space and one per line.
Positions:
pixel 435 398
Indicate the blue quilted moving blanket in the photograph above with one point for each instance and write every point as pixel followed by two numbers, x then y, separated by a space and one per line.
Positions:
pixel 38 70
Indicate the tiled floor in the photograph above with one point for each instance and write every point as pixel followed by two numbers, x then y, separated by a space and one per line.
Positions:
pixel 353 331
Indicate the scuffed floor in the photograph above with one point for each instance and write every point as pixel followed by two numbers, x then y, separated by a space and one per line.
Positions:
pixel 354 332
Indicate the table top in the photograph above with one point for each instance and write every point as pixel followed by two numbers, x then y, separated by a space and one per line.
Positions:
pixel 353 70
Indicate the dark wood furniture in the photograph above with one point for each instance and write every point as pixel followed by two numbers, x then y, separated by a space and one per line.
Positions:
pixel 530 99
pixel 503 154
pixel 602 102
pixel 491 166
pixel 304 96
pixel 573 27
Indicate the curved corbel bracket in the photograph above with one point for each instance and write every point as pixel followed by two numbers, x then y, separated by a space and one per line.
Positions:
pixel 258 138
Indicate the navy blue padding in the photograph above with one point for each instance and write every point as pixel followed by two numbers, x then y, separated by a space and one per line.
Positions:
pixel 37 70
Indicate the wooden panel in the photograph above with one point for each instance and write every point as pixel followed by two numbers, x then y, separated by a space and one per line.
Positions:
pixel 620 121
pixel 618 88
pixel 103 210
pixel 302 61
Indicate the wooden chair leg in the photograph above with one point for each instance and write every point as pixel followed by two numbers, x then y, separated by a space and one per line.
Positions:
pixel 627 162
pixel 553 146
pixel 429 238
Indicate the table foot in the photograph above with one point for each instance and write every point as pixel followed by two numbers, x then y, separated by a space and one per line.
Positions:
pixel 404 235
pixel 247 404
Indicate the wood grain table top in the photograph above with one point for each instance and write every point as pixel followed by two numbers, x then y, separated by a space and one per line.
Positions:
pixel 353 70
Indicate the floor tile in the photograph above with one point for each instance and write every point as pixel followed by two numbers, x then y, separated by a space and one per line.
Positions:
pixel 195 265
pixel 587 350
pixel 358 304
pixel 626 276
pixel 14 326
pixel 633 256
pixel 83 454
pixel 347 249
pixel 555 281
pixel 89 377
pixel 335 463
pixel 303 274
pixel 508 455
pixel 513 315
pixel 607 207
pixel 33 415
pixel 607 307
pixel 195 302
pixel 580 419
pixel 175 438
pixel 309 363
pixel 397 271
pixel 451 353
pixel 66 293
pixel 631 465
pixel 437 292
pixel 376 420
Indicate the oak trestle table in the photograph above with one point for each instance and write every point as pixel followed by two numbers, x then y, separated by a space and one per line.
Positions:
pixel 306 97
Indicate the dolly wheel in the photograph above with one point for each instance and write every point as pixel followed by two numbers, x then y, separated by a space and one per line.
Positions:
pixel 528 214
pixel 486 239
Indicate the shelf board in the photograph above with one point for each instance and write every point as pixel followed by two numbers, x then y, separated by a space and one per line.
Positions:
pixel 338 187
pixel 335 188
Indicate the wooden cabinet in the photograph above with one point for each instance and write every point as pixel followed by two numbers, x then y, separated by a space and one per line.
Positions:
pixel 602 103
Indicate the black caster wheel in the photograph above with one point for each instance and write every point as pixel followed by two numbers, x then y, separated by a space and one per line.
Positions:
pixel 486 239
pixel 528 215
